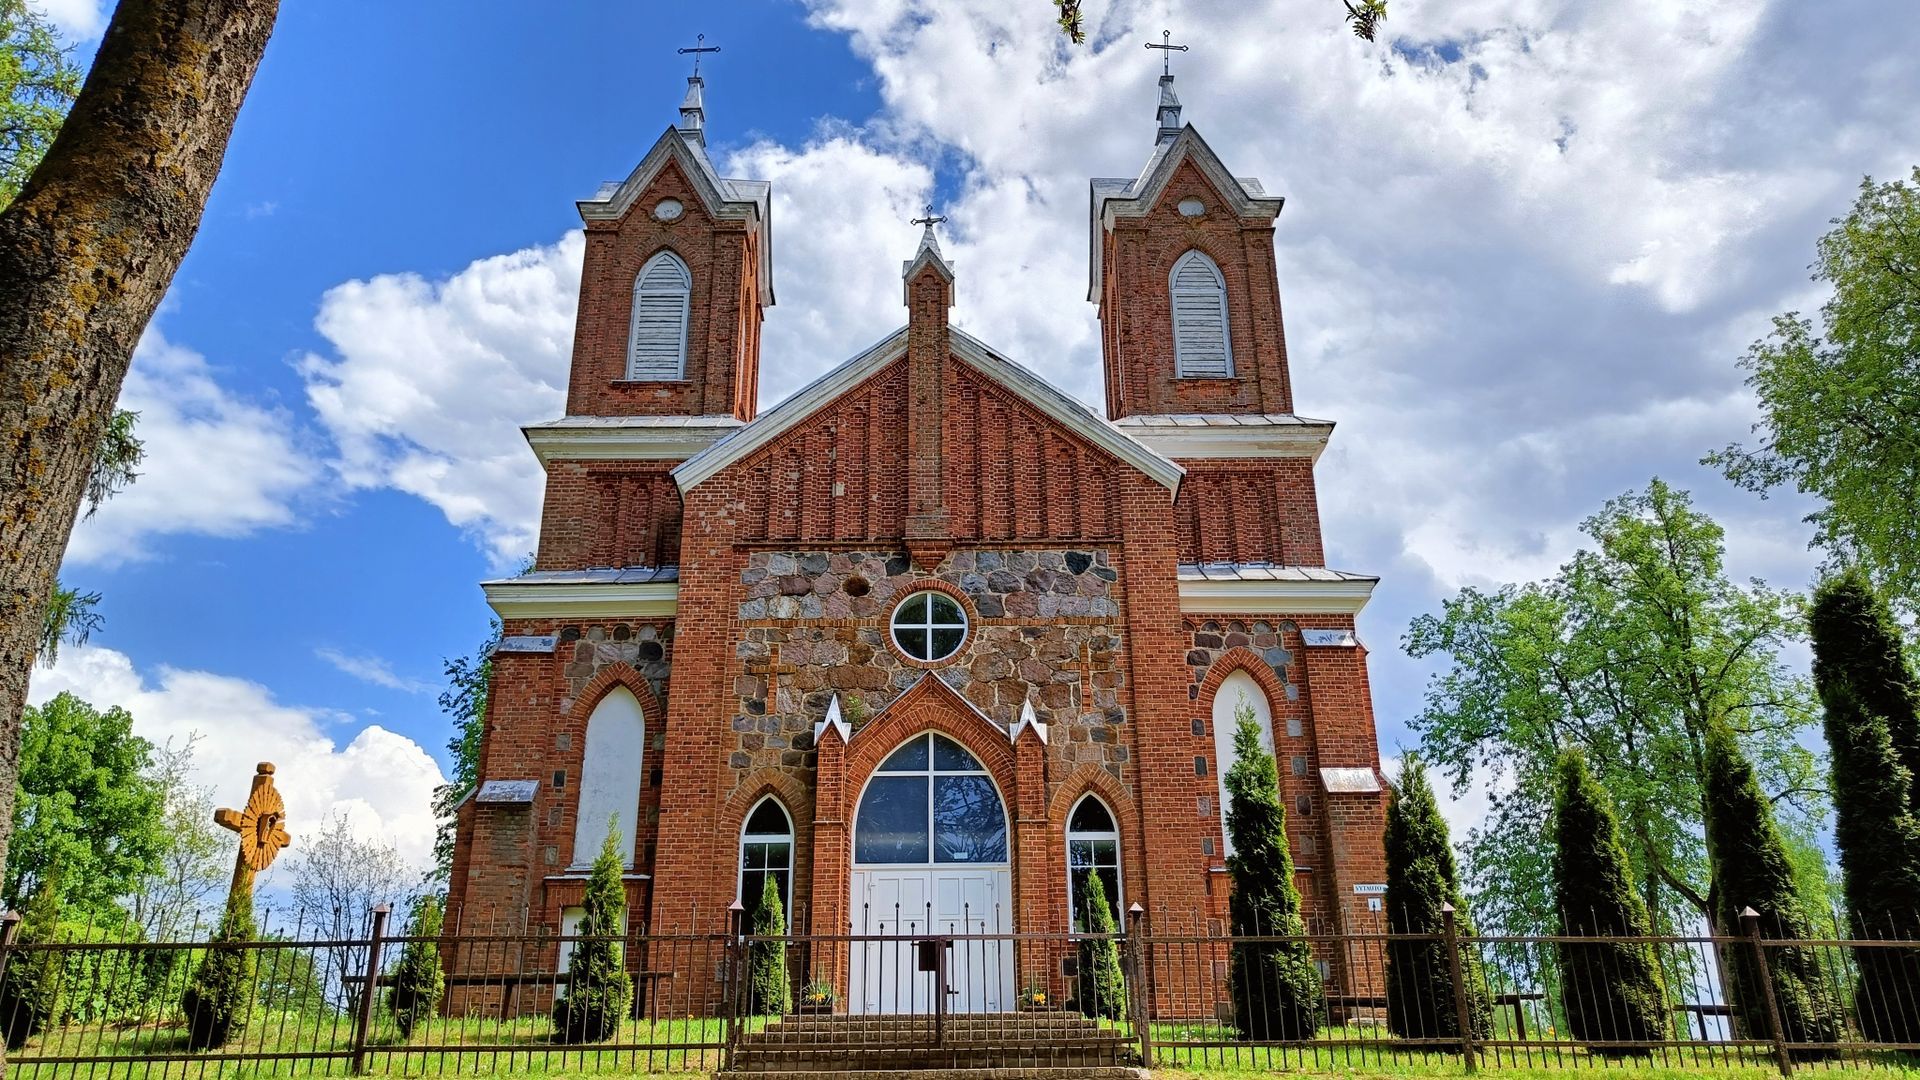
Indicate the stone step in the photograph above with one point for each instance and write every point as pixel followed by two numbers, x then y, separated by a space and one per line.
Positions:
pixel 979 1056
pixel 1080 1073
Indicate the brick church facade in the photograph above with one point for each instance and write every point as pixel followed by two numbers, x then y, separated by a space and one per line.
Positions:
pixel 929 642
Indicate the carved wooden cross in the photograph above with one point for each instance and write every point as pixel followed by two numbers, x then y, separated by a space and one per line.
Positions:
pixel 261 825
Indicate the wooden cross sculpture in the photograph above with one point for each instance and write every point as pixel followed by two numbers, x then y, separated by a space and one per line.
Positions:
pixel 262 828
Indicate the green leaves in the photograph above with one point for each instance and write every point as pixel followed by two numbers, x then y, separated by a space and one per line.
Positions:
pixel 1421 880
pixel 38 82
pixel 1839 405
pixel 1628 651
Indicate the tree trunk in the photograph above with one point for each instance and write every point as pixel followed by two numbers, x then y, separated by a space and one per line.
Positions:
pixel 86 253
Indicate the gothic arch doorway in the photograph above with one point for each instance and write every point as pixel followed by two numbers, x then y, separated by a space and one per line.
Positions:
pixel 931 857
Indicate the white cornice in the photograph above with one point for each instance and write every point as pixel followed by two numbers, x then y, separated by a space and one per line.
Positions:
pixel 627 438
pixel 512 599
pixel 1197 438
pixel 1345 597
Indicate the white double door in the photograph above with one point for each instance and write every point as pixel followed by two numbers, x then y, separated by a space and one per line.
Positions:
pixel 903 906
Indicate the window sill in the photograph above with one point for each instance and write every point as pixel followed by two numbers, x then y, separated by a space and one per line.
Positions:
pixel 650 382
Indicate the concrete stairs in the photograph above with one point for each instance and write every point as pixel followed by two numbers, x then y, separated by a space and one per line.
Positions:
pixel 970 1046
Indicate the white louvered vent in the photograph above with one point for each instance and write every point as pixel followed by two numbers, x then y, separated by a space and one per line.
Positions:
pixel 1202 348
pixel 657 339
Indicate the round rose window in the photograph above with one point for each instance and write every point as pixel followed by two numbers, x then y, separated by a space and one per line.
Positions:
pixel 929 626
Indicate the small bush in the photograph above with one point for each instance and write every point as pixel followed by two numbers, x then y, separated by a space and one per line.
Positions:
pixel 1105 979
pixel 599 990
pixel 419 982
pixel 1421 880
pixel 767 964
pixel 219 997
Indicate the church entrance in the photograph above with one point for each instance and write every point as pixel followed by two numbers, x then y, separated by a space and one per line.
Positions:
pixel 931 872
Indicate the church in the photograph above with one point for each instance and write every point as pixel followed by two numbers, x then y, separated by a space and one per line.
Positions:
pixel 930 644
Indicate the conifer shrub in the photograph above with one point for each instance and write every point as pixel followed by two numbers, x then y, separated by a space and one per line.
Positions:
pixel 1421 877
pixel 1276 989
pixel 1750 868
pixel 1105 982
pixel 1611 990
pixel 599 990
pixel 418 981
pixel 31 990
pixel 220 994
pixel 1861 680
pixel 767 960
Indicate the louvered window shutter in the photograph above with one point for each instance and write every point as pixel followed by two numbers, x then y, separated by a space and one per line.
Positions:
pixel 657 340
pixel 1202 348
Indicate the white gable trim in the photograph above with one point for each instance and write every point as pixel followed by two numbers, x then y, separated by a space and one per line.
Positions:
pixel 514 599
pixel 1275 597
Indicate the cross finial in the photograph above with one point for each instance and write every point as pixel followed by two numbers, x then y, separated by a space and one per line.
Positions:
pixel 699 47
pixel 930 220
pixel 1167 49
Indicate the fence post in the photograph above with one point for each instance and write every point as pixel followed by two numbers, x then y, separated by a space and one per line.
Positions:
pixel 1139 994
pixel 9 929
pixel 1750 920
pixel 1462 1014
pixel 736 974
pixel 369 990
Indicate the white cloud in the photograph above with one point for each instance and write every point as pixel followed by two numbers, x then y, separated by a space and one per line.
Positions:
pixel 383 780
pixel 77 20
pixel 372 669
pixel 431 382
pixel 215 464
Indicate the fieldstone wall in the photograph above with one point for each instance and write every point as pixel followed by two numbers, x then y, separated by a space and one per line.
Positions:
pixel 1044 626
pixel 645 647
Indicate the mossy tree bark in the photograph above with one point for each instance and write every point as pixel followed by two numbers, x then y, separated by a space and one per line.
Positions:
pixel 87 251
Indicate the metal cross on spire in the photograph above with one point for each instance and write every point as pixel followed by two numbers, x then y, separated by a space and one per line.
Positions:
pixel 1167 49
pixel 699 47
pixel 930 220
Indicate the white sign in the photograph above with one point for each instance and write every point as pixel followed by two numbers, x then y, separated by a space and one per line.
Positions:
pixel 1324 638
pixel 1370 890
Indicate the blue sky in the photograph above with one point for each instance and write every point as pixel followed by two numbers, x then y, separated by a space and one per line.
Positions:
pixel 1525 242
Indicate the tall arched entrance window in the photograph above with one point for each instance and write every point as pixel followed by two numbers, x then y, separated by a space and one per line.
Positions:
pixel 930 856
pixel 1093 855
pixel 766 852
pixel 1236 690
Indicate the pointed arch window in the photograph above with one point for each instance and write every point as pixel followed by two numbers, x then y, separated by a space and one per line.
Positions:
pixel 1236 691
pixel 766 851
pixel 1202 344
pixel 610 778
pixel 1093 850
pixel 657 338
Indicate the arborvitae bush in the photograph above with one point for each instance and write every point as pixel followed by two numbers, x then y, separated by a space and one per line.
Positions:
pixel 767 960
pixel 1276 989
pixel 1421 877
pixel 31 989
pixel 221 991
pixel 1611 990
pixel 1750 868
pixel 418 982
pixel 1875 828
pixel 1864 648
pixel 599 990
pixel 1105 980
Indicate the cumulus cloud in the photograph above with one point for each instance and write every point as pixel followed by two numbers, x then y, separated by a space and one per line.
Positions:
pixel 430 381
pixel 381 780
pixel 216 464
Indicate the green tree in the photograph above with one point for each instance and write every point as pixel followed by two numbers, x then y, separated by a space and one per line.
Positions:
pixel 1753 869
pixel 220 995
pixel 465 700
pixel 419 982
pixel 1875 829
pixel 1421 880
pixel 1630 651
pixel 73 616
pixel 1276 988
pixel 1837 404
pixel 1105 980
pixel 87 803
pixel 1611 990
pixel 767 960
pixel 599 990
pixel 30 991
pixel 38 81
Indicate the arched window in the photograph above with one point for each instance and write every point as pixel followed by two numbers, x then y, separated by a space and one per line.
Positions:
pixel 657 338
pixel 1202 346
pixel 1093 849
pixel 766 851
pixel 610 777
pixel 1236 690
pixel 930 802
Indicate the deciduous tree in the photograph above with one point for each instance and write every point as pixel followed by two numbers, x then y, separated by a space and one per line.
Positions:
pixel 338 879
pixel 1630 651
pixel 465 701
pixel 1838 402
pixel 419 981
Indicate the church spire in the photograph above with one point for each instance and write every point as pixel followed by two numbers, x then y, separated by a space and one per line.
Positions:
pixel 693 107
pixel 1169 108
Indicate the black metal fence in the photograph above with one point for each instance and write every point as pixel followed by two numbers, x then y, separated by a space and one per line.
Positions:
pixel 711 1001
